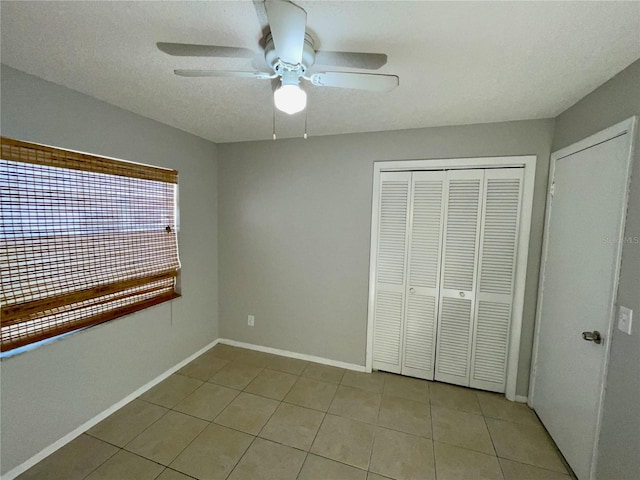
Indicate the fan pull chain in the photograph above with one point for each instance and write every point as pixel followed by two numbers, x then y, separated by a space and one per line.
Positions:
pixel 305 123
pixel 274 121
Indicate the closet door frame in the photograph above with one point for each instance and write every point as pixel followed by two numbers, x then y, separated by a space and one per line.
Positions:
pixel 528 162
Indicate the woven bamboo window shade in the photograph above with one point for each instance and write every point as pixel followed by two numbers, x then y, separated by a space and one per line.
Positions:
pixel 83 240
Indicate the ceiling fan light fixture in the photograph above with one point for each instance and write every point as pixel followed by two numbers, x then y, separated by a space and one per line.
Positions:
pixel 290 98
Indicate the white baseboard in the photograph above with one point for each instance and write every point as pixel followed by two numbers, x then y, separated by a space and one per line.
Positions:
pixel 521 398
pixel 11 474
pixel 300 356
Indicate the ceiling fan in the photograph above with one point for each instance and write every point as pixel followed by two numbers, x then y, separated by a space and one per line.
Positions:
pixel 290 54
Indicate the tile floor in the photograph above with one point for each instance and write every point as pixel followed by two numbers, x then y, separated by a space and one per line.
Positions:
pixel 243 415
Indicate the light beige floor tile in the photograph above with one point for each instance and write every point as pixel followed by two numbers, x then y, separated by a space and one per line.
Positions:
pixel 497 406
pixel 127 423
pixel 326 373
pixel 169 474
pixel 214 453
pixel 311 393
pixel 266 460
pixel 247 413
pixel 461 429
pixel 519 471
pixel 207 401
pixel 272 384
pixel 203 367
pixel 356 404
pixel 405 415
pixel 372 382
pixel 455 463
pixel 171 391
pixel 74 461
pixel 165 439
pixel 236 375
pixel 225 351
pixel 344 440
pixel 319 468
pixel 293 426
pixel 452 396
pixel 524 443
pixel 406 387
pixel 126 465
pixel 402 456
pixel 288 365
pixel 253 357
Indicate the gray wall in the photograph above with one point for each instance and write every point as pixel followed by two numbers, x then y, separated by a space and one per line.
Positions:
pixel 616 100
pixel 48 392
pixel 294 222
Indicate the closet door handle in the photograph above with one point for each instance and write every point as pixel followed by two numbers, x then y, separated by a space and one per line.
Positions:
pixel 462 294
pixel 412 290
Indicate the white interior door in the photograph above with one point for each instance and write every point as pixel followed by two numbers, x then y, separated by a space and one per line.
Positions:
pixel 391 246
pixel 423 279
pixel 496 277
pixel 464 192
pixel 583 236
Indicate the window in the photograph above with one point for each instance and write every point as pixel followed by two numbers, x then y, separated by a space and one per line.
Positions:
pixel 83 240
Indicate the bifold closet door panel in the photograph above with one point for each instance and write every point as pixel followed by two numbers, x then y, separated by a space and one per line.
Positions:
pixel 496 272
pixel 464 192
pixel 423 279
pixel 389 302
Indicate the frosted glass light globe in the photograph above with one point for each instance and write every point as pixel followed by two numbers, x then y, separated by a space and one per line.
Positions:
pixel 290 99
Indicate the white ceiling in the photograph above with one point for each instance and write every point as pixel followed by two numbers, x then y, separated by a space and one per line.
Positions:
pixel 458 62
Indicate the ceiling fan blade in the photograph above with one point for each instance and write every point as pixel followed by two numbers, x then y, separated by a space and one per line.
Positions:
pixel 369 61
pixel 191 50
pixel 224 73
pixel 358 81
pixel 287 23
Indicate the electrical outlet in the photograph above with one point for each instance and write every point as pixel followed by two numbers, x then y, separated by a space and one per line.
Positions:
pixel 251 320
pixel 625 315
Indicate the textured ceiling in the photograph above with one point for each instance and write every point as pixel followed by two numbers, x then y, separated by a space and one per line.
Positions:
pixel 458 62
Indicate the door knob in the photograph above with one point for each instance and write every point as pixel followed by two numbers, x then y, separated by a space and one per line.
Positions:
pixel 594 336
pixel 412 290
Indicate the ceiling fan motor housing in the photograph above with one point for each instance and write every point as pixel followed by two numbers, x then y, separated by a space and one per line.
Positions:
pixel 272 59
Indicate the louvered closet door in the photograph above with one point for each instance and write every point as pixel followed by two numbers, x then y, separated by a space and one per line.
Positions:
pixel 423 279
pixel 464 192
pixel 496 271
pixel 391 270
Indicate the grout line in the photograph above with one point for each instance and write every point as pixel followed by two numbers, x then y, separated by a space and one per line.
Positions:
pixel 375 429
pixel 241 457
pixel 306 455
pixel 568 475
pixel 324 415
pixel 343 463
pixel 147 427
pixel 433 452
pixel 187 445
pixel 174 470
pixel 268 419
pixel 433 439
pixel 103 462
pixel 164 467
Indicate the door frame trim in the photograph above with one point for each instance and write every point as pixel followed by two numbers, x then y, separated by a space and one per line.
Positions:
pixel 528 162
pixel 627 126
